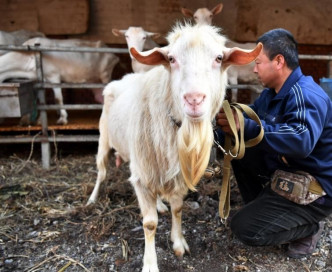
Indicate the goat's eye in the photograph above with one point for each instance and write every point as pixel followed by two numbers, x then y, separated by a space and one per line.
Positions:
pixel 144 38
pixel 171 59
pixel 127 36
pixel 219 58
pixel 211 15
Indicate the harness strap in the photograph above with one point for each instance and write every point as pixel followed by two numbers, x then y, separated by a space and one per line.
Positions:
pixel 235 149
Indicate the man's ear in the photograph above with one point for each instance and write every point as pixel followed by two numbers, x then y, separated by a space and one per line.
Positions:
pixel 280 59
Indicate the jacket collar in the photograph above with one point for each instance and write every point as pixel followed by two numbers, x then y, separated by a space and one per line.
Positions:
pixel 290 81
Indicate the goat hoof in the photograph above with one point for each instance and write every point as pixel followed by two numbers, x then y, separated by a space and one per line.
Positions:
pixel 62 122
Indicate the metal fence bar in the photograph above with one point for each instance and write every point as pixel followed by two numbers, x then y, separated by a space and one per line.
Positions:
pixel 111 50
pixel 71 107
pixel 69 85
pixel 38 48
pixel 57 138
pixel 316 57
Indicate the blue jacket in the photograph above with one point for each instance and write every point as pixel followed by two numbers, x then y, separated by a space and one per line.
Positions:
pixel 298 125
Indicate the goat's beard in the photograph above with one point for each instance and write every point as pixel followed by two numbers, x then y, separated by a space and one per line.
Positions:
pixel 194 144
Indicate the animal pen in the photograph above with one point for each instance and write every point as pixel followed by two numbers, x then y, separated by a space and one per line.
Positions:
pixel 45 134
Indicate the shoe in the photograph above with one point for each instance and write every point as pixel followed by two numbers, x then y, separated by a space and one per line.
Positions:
pixel 305 246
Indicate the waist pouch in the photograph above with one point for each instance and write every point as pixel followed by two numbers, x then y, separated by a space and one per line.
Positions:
pixel 299 187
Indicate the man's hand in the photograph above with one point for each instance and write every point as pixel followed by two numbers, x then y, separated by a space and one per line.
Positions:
pixel 222 121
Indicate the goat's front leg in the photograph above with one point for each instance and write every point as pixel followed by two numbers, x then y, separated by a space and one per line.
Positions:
pixel 179 243
pixel 147 202
pixel 59 100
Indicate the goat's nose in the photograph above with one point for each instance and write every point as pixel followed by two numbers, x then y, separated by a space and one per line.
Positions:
pixel 194 98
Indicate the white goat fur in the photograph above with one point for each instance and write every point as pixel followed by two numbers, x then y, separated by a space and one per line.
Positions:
pixel 235 73
pixel 137 121
pixel 17 37
pixel 140 39
pixel 70 67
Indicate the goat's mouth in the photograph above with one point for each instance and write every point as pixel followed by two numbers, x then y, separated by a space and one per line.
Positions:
pixel 195 115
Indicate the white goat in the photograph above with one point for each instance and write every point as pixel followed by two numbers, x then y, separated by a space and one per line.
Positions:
pixel 160 121
pixel 203 15
pixel 70 67
pixel 140 39
pixel 17 37
pixel 235 73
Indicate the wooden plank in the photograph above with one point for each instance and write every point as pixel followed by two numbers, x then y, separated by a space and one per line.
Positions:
pixel 18 14
pixel 309 20
pixel 77 120
pixel 52 17
pixel 63 16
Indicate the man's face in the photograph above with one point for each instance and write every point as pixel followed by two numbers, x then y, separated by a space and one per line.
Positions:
pixel 266 70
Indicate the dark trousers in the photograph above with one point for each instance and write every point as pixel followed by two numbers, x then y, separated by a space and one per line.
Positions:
pixel 268 218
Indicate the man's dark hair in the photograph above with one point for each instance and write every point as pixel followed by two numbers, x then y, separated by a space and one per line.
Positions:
pixel 280 41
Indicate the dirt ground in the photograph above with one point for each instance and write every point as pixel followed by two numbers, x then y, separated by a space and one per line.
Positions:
pixel 45 225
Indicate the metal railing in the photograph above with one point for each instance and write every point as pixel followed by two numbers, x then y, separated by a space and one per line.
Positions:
pixel 40 87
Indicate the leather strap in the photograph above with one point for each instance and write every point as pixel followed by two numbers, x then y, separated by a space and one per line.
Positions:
pixel 235 149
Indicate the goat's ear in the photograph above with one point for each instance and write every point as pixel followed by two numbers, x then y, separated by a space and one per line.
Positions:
pixel 118 33
pixel 238 56
pixel 217 9
pixel 187 12
pixel 154 56
pixel 153 35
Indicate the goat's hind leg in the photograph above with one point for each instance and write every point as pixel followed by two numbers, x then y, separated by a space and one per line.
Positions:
pixel 101 159
pixel 161 207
